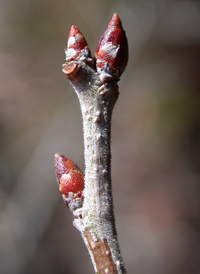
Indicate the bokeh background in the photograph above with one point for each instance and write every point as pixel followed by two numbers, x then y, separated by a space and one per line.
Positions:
pixel 155 135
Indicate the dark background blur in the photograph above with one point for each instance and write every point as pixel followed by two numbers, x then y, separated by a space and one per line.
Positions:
pixel 155 135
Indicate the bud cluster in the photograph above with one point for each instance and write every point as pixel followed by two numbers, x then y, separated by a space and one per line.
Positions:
pixel 111 56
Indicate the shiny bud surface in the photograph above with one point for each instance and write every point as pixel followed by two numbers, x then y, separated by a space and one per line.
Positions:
pixel 112 50
pixel 70 178
pixel 77 47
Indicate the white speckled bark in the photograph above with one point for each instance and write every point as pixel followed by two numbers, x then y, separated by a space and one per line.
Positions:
pixel 97 101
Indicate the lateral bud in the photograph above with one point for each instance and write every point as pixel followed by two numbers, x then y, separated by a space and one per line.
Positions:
pixel 112 51
pixel 77 48
pixel 71 182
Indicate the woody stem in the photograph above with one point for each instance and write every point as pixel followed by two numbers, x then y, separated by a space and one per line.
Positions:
pixel 97 223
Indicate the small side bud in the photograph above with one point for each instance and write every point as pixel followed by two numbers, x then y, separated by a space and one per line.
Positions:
pixel 70 180
pixel 112 51
pixel 77 48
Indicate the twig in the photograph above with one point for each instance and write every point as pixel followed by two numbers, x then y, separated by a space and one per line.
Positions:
pixel 95 82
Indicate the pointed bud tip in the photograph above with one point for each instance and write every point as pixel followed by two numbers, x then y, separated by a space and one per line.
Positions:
pixel 112 50
pixel 65 165
pixel 58 157
pixel 73 31
pixel 115 21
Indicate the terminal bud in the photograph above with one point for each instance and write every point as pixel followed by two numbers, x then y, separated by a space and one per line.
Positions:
pixel 77 48
pixel 112 51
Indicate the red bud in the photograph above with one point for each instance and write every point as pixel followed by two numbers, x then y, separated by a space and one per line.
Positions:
pixel 70 178
pixel 76 40
pixel 112 50
pixel 77 47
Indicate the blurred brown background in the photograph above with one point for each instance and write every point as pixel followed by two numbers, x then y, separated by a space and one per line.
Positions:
pixel 155 135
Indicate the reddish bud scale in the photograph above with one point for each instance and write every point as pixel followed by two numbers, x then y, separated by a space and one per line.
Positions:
pixel 112 50
pixel 76 40
pixel 70 180
pixel 77 47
